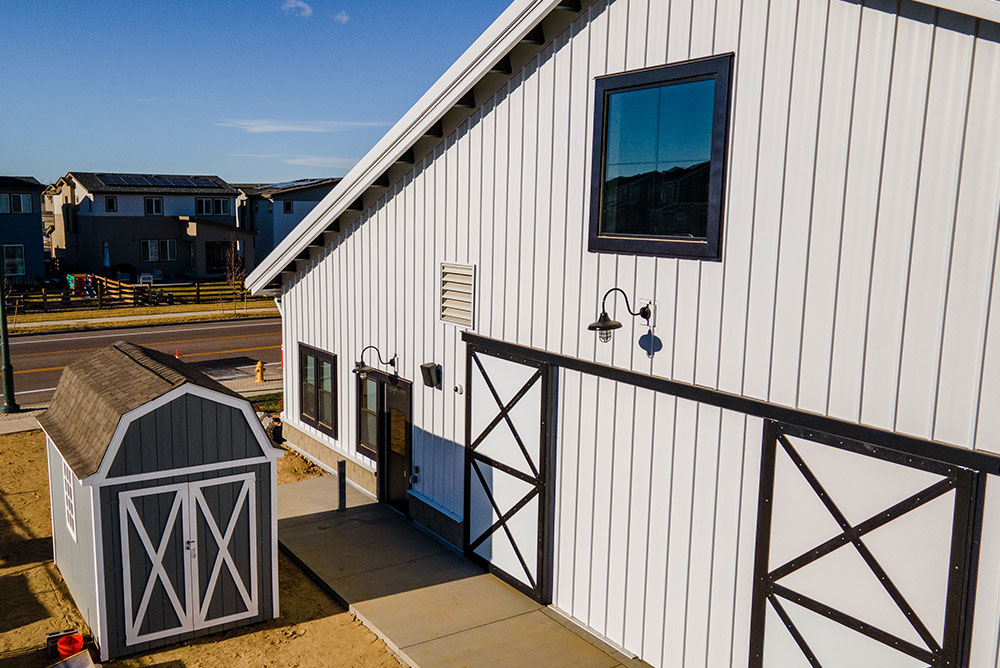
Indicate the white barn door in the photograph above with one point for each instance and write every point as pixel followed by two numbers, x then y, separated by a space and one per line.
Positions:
pixel 507 469
pixel 864 556
pixel 189 556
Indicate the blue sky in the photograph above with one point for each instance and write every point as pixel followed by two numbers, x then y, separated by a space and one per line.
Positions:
pixel 254 91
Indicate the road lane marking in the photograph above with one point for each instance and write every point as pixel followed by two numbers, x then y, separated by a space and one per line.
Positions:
pixel 215 352
pixel 152 343
pixel 134 332
pixel 50 368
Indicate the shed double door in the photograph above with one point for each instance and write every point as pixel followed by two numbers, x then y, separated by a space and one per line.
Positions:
pixel 189 556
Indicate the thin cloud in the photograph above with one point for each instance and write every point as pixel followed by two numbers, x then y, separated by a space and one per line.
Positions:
pixel 257 125
pixel 320 161
pixel 299 7
pixel 301 160
pixel 341 17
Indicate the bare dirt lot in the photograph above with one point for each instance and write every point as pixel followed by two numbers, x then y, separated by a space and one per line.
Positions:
pixel 313 629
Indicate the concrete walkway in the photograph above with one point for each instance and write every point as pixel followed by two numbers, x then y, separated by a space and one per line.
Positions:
pixel 138 319
pixel 432 607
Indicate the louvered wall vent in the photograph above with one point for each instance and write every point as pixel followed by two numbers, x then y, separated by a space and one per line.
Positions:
pixel 458 282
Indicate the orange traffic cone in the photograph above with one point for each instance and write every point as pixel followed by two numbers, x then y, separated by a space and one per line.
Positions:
pixel 178 353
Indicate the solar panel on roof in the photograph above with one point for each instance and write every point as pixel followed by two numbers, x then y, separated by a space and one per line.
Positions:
pixel 111 179
pixel 158 181
pixel 134 180
pixel 180 181
pixel 202 182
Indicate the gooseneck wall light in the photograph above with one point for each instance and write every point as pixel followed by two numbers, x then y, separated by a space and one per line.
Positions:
pixel 605 326
pixel 363 369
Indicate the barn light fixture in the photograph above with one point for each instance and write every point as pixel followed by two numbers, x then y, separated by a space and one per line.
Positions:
pixel 363 369
pixel 605 326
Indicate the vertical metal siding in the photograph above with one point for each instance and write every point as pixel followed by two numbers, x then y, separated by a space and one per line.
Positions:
pixel 858 280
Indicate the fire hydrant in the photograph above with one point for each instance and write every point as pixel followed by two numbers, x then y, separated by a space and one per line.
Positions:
pixel 259 371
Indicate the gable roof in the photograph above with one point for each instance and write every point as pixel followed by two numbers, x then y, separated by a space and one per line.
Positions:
pixel 489 54
pixel 167 184
pixel 29 183
pixel 94 392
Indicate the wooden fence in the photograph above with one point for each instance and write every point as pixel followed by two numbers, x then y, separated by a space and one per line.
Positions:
pixel 95 292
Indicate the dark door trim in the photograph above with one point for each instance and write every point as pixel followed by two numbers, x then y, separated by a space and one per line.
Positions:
pixel 966 530
pixel 967 457
pixel 543 481
pixel 381 467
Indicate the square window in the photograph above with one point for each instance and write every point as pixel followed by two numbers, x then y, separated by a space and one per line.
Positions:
pixel 111 204
pixel 154 206
pixel 4 203
pixel 202 206
pixel 13 260
pixel 659 160
pixel 20 204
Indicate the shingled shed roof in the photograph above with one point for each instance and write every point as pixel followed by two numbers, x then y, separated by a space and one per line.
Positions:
pixel 96 391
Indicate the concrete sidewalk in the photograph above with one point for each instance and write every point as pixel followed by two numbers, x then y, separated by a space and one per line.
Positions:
pixel 431 606
pixel 139 319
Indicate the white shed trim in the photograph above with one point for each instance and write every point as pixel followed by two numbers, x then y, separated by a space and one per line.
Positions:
pixel 268 452
pixel 515 23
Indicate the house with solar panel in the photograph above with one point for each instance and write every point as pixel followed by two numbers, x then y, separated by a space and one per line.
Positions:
pixel 274 210
pixel 173 226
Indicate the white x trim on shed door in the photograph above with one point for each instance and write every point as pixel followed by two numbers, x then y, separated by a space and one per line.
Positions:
pixel 189 556
pixel 156 572
pixel 224 518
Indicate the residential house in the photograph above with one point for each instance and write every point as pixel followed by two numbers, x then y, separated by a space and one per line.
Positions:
pixel 176 226
pixel 274 210
pixel 763 433
pixel 21 229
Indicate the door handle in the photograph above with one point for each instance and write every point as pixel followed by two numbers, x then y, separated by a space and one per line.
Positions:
pixel 190 545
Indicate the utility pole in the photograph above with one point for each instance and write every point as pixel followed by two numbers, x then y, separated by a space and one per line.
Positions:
pixel 9 405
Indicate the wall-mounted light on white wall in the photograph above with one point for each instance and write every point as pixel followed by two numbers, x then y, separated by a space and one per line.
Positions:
pixel 605 326
pixel 363 369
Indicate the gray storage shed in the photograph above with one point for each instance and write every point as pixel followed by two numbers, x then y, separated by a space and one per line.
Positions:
pixel 162 488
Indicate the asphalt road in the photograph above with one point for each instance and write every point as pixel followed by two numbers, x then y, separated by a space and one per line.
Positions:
pixel 39 359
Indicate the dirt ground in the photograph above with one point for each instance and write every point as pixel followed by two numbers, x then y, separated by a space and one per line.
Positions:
pixel 313 629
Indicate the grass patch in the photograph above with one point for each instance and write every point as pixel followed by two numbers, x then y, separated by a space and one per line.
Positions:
pixel 50 316
pixel 268 403
pixel 165 320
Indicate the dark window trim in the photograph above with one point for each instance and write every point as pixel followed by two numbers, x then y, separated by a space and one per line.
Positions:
pixel 288 206
pixel 718 67
pixel 335 409
pixel 111 203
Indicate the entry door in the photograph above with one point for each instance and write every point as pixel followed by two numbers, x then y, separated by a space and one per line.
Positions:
pixel 385 434
pixel 397 440
pixel 866 557
pixel 508 462
pixel 189 556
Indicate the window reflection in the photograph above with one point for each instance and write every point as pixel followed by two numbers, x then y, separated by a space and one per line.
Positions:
pixel 657 160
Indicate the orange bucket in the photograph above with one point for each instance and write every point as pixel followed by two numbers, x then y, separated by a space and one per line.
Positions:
pixel 69 645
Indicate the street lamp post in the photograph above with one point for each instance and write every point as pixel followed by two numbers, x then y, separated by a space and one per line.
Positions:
pixel 9 405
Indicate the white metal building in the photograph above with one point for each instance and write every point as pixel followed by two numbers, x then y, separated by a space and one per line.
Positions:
pixel 792 460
